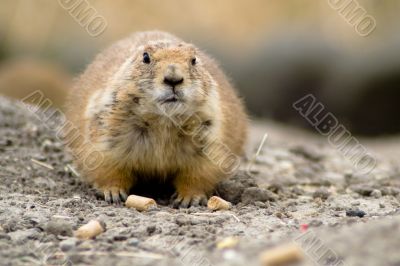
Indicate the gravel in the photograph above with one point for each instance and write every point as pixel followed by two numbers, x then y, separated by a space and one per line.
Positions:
pixel 297 190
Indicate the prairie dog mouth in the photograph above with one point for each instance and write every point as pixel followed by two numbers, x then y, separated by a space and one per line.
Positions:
pixel 171 99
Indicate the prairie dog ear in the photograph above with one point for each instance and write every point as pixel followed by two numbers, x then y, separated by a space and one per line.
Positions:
pixel 191 48
pixel 187 46
pixel 147 48
pixel 136 53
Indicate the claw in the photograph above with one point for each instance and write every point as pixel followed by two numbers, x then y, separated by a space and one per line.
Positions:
pixel 188 201
pixel 185 203
pixel 123 195
pixel 203 201
pixel 107 196
pixel 176 203
pixel 195 202
pixel 114 196
pixel 174 196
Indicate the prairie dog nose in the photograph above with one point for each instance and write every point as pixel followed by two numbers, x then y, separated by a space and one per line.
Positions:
pixel 172 76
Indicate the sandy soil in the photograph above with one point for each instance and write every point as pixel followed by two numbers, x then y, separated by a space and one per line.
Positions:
pixel 296 191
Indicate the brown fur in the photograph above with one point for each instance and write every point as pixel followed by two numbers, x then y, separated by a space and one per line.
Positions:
pixel 118 108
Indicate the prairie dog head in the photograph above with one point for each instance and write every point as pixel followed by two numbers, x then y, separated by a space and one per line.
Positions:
pixel 166 75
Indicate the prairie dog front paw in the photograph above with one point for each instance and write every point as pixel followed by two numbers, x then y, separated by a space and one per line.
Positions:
pixel 186 201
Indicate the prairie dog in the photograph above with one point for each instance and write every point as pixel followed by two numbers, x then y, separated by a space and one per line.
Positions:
pixel 154 106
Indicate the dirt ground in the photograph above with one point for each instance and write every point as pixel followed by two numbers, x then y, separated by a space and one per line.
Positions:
pixel 298 192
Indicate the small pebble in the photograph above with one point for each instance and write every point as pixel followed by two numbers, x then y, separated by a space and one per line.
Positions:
pixel 254 194
pixel 47 145
pixel 315 223
pixel 68 244
pixel 59 227
pixel 228 242
pixel 120 238
pixel 298 191
pixel 376 193
pixel 321 193
pixel 5 236
pixel 76 258
pixel 355 213
pixel 182 220
pixel 363 190
pixel 151 229
pixel 84 246
pixel 110 213
pixel 260 204
pixel 133 242
pixel 200 220
pixel 6 142
pixel 390 191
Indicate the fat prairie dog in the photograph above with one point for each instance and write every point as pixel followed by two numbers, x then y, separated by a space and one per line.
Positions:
pixel 153 106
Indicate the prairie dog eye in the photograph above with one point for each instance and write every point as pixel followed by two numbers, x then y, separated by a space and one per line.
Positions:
pixel 194 61
pixel 146 58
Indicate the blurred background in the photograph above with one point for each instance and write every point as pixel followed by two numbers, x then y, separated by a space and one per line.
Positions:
pixel 274 51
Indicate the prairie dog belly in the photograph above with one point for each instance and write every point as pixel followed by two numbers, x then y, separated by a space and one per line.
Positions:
pixel 164 148
pixel 155 148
